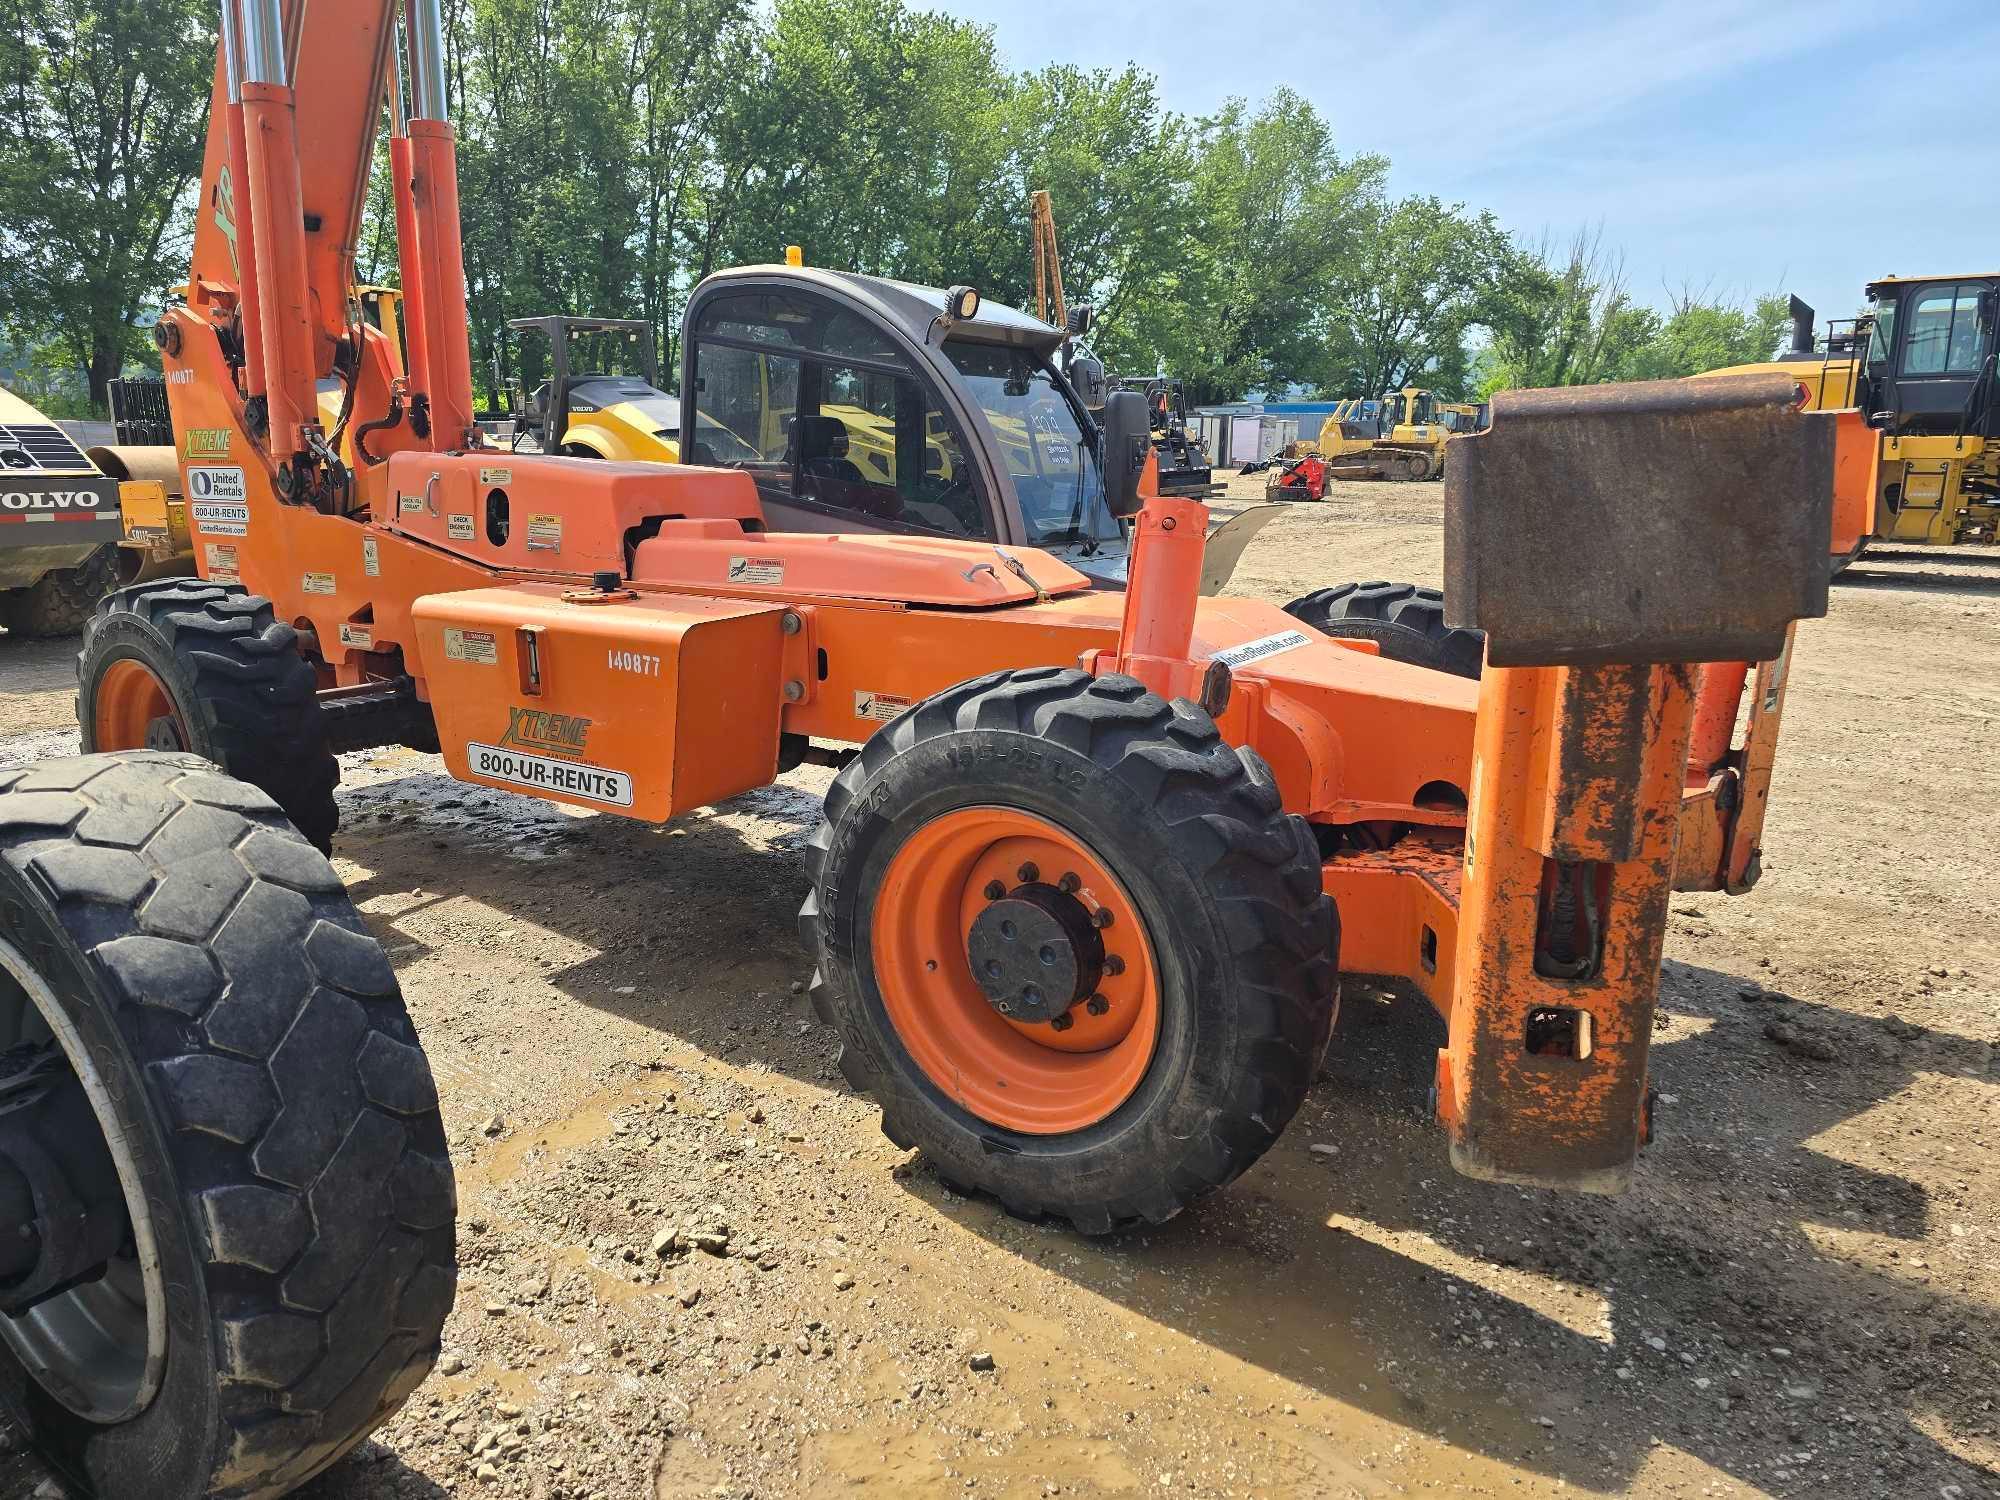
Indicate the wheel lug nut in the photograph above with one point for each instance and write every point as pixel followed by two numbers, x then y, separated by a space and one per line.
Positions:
pixel 1113 964
pixel 1068 884
pixel 1063 1022
pixel 995 890
pixel 1030 873
pixel 1097 1005
pixel 1101 918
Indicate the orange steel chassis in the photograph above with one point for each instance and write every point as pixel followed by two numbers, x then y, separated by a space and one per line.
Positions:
pixel 716 651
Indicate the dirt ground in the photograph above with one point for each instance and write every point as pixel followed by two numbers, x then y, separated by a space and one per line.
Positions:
pixel 1799 1296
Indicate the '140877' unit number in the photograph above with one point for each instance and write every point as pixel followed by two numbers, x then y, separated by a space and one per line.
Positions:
pixel 633 661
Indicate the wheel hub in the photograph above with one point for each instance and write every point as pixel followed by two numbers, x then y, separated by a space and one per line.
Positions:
pixel 164 733
pixel 59 1190
pixel 1034 952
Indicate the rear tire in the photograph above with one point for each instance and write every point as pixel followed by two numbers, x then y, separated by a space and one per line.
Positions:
pixel 1223 884
pixel 1406 621
pixel 239 692
pixel 59 602
pixel 281 1144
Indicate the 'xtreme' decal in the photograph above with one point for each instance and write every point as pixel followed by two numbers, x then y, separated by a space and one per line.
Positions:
pixel 536 729
pixel 208 442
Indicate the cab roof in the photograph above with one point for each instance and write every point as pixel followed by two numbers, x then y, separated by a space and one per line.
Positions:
pixel 911 307
pixel 1993 276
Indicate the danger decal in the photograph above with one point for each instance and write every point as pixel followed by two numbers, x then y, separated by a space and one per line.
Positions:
pixel 481 647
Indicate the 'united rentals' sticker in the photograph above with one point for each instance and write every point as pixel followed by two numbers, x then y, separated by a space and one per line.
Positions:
pixel 882 706
pixel 318 583
pixel 496 476
pixel 371 557
pixel 222 563
pixel 756 570
pixel 213 482
pixel 458 528
pixel 357 637
pixel 480 646
pixel 545 532
pixel 1257 650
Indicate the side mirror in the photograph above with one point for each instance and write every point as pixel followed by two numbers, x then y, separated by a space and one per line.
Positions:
pixel 1086 377
pixel 1125 434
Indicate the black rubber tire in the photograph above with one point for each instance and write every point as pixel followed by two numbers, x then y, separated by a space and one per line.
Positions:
pixel 279 1105
pixel 1246 942
pixel 245 695
pixel 1406 621
pixel 59 602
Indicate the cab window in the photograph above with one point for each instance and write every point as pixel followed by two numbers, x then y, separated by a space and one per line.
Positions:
pixel 837 420
pixel 1946 333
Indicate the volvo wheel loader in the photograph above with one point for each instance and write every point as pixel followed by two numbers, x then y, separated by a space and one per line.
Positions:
pixel 1087 877
pixel 1913 381
pixel 59 525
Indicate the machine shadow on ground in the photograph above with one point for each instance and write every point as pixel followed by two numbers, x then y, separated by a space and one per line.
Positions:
pixel 1365 1273
pixel 1373 1274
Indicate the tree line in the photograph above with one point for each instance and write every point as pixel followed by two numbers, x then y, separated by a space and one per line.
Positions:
pixel 613 152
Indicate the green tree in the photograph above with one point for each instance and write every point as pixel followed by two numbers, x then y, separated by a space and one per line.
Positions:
pixel 101 138
pixel 1276 211
pixel 1419 274
pixel 1561 320
pixel 1116 165
pixel 1704 333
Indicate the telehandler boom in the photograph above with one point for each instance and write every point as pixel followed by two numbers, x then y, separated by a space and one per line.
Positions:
pixel 1092 863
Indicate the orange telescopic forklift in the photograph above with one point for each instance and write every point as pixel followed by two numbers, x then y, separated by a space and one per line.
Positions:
pixel 1089 871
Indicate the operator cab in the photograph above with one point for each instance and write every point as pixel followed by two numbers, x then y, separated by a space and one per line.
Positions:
pixel 1931 355
pixel 860 403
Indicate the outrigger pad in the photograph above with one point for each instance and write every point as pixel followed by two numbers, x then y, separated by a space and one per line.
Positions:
pixel 1655 521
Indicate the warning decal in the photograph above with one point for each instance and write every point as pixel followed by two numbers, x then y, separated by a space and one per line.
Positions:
pixel 764 570
pixel 318 583
pixel 458 528
pixel 880 706
pixel 357 637
pixel 222 564
pixel 545 532
pixel 371 557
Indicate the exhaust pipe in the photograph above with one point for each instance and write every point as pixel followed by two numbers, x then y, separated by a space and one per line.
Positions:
pixel 1802 327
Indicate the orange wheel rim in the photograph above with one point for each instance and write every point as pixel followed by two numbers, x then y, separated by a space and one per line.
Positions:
pixel 133 710
pixel 1033 1076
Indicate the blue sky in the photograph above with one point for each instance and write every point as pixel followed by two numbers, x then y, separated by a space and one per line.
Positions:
pixel 1742 147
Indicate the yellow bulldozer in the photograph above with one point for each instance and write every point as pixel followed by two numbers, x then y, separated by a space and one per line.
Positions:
pixel 1400 437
